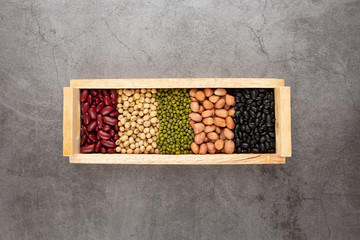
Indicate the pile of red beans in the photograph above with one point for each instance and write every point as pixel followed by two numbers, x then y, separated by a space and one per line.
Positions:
pixel 99 123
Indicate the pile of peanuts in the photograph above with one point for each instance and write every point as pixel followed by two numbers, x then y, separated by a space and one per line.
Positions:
pixel 138 122
pixel 211 119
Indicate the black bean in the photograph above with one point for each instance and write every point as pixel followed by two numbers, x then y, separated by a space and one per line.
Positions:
pixel 245 145
pixel 255 150
pixel 252 114
pixel 242 127
pixel 246 114
pixel 262 147
pixel 253 94
pixel 254 120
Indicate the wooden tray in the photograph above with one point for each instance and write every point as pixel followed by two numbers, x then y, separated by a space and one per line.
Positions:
pixel 71 127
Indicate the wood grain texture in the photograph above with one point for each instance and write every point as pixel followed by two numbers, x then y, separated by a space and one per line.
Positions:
pixel 178 83
pixel 283 121
pixel 71 121
pixel 192 159
pixel 67 121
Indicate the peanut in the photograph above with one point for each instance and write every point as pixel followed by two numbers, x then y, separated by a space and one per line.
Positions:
pixel 221 113
pixel 208 121
pixel 228 133
pixel 210 148
pixel 219 144
pixel 208 92
pixel 230 122
pixel 203 149
pixel 199 138
pixel 220 92
pixel 195 117
pixel 229 146
pixel 200 96
pixel 194 148
pixel 219 122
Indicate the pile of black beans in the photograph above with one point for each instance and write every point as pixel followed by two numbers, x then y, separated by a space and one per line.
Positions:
pixel 254 120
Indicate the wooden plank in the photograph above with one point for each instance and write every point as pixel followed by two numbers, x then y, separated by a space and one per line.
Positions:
pixel 71 121
pixel 178 83
pixel 207 159
pixel 283 121
pixel 67 121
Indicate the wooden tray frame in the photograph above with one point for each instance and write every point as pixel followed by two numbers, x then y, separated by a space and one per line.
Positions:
pixel 71 127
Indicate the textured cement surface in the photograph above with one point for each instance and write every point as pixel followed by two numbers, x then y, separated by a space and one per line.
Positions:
pixel 313 45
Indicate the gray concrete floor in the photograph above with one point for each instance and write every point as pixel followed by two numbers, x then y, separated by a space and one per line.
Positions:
pixel 313 45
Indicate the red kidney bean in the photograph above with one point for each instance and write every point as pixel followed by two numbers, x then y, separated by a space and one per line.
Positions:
pixel 88 148
pixel 113 96
pixel 108 144
pixel 86 119
pixel 92 137
pixel 99 90
pixel 96 129
pixel 100 121
pixel 101 97
pixel 103 150
pixel 84 94
pixel 104 135
pixel 89 99
pixel 107 101
pixel 116 136
pixel 92 113
pixel 110 121
pixel 92 126
pixel 105 92
pixel 99 107
pixel 112 132
pixel 106 110
pixel 106 128
pixel 98 146
pixel 114 114
pixel 97 101
pixel 116 127
pixel 93 92
pixel 85 108
pixel 83 140
pixel 111 150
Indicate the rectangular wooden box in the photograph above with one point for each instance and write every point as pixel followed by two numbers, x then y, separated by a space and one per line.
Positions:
pixel 71 127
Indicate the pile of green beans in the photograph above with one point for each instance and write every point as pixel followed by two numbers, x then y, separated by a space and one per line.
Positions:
pixel 175 133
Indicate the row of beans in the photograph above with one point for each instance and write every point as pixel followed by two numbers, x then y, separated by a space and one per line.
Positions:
pixel 177 121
